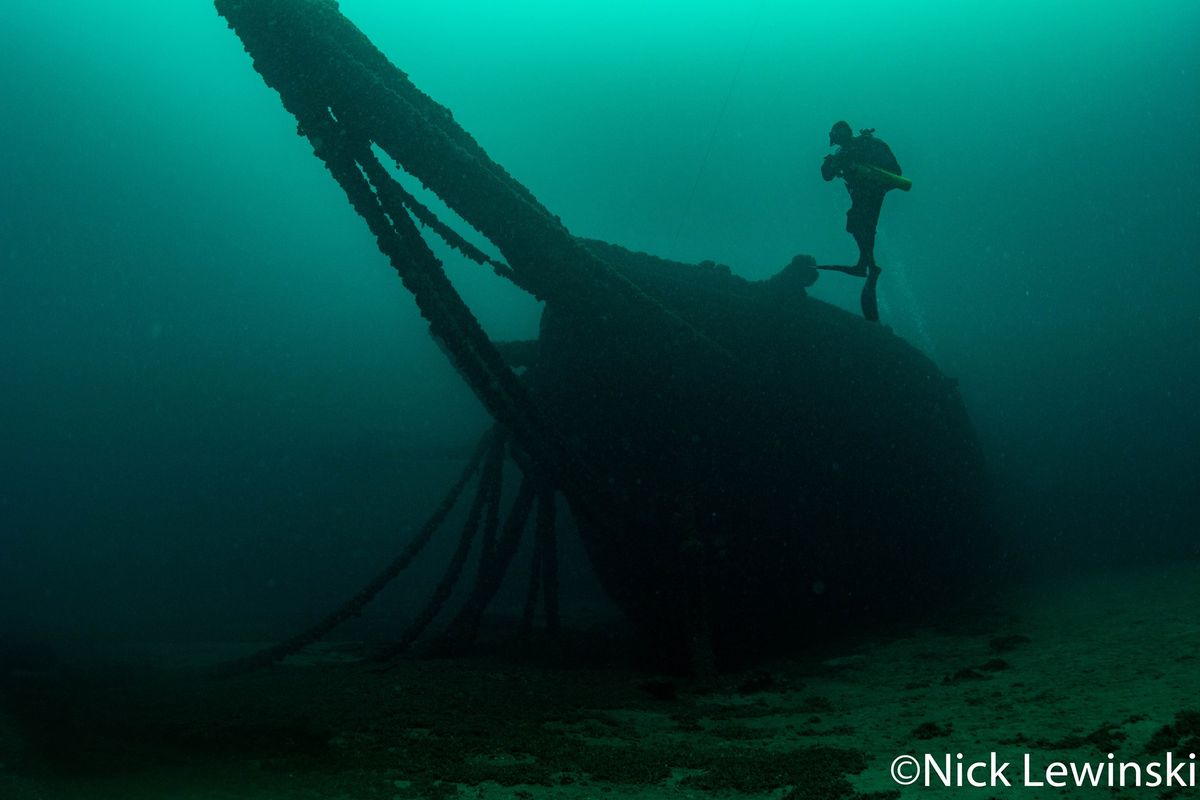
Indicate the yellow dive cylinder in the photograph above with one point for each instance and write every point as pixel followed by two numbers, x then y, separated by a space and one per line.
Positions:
pixel 882 177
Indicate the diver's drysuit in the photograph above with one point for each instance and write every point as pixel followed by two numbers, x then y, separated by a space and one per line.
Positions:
pixel 866 199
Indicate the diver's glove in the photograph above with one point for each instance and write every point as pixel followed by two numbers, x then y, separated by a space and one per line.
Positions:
pixel 830 168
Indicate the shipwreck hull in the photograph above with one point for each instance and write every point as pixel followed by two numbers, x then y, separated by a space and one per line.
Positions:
pixel 826 474
pixel 746 464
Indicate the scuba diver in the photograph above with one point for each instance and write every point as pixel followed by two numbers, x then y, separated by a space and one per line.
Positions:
pixel 870 170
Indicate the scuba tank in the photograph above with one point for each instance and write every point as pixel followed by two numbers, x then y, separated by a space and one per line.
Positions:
pixel 881 177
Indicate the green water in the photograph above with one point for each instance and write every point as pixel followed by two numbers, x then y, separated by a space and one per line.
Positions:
pixel 202 349
pixel 220 411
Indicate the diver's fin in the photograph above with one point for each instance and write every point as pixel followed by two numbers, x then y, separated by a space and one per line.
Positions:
pixel 870 307
pixel 859 271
